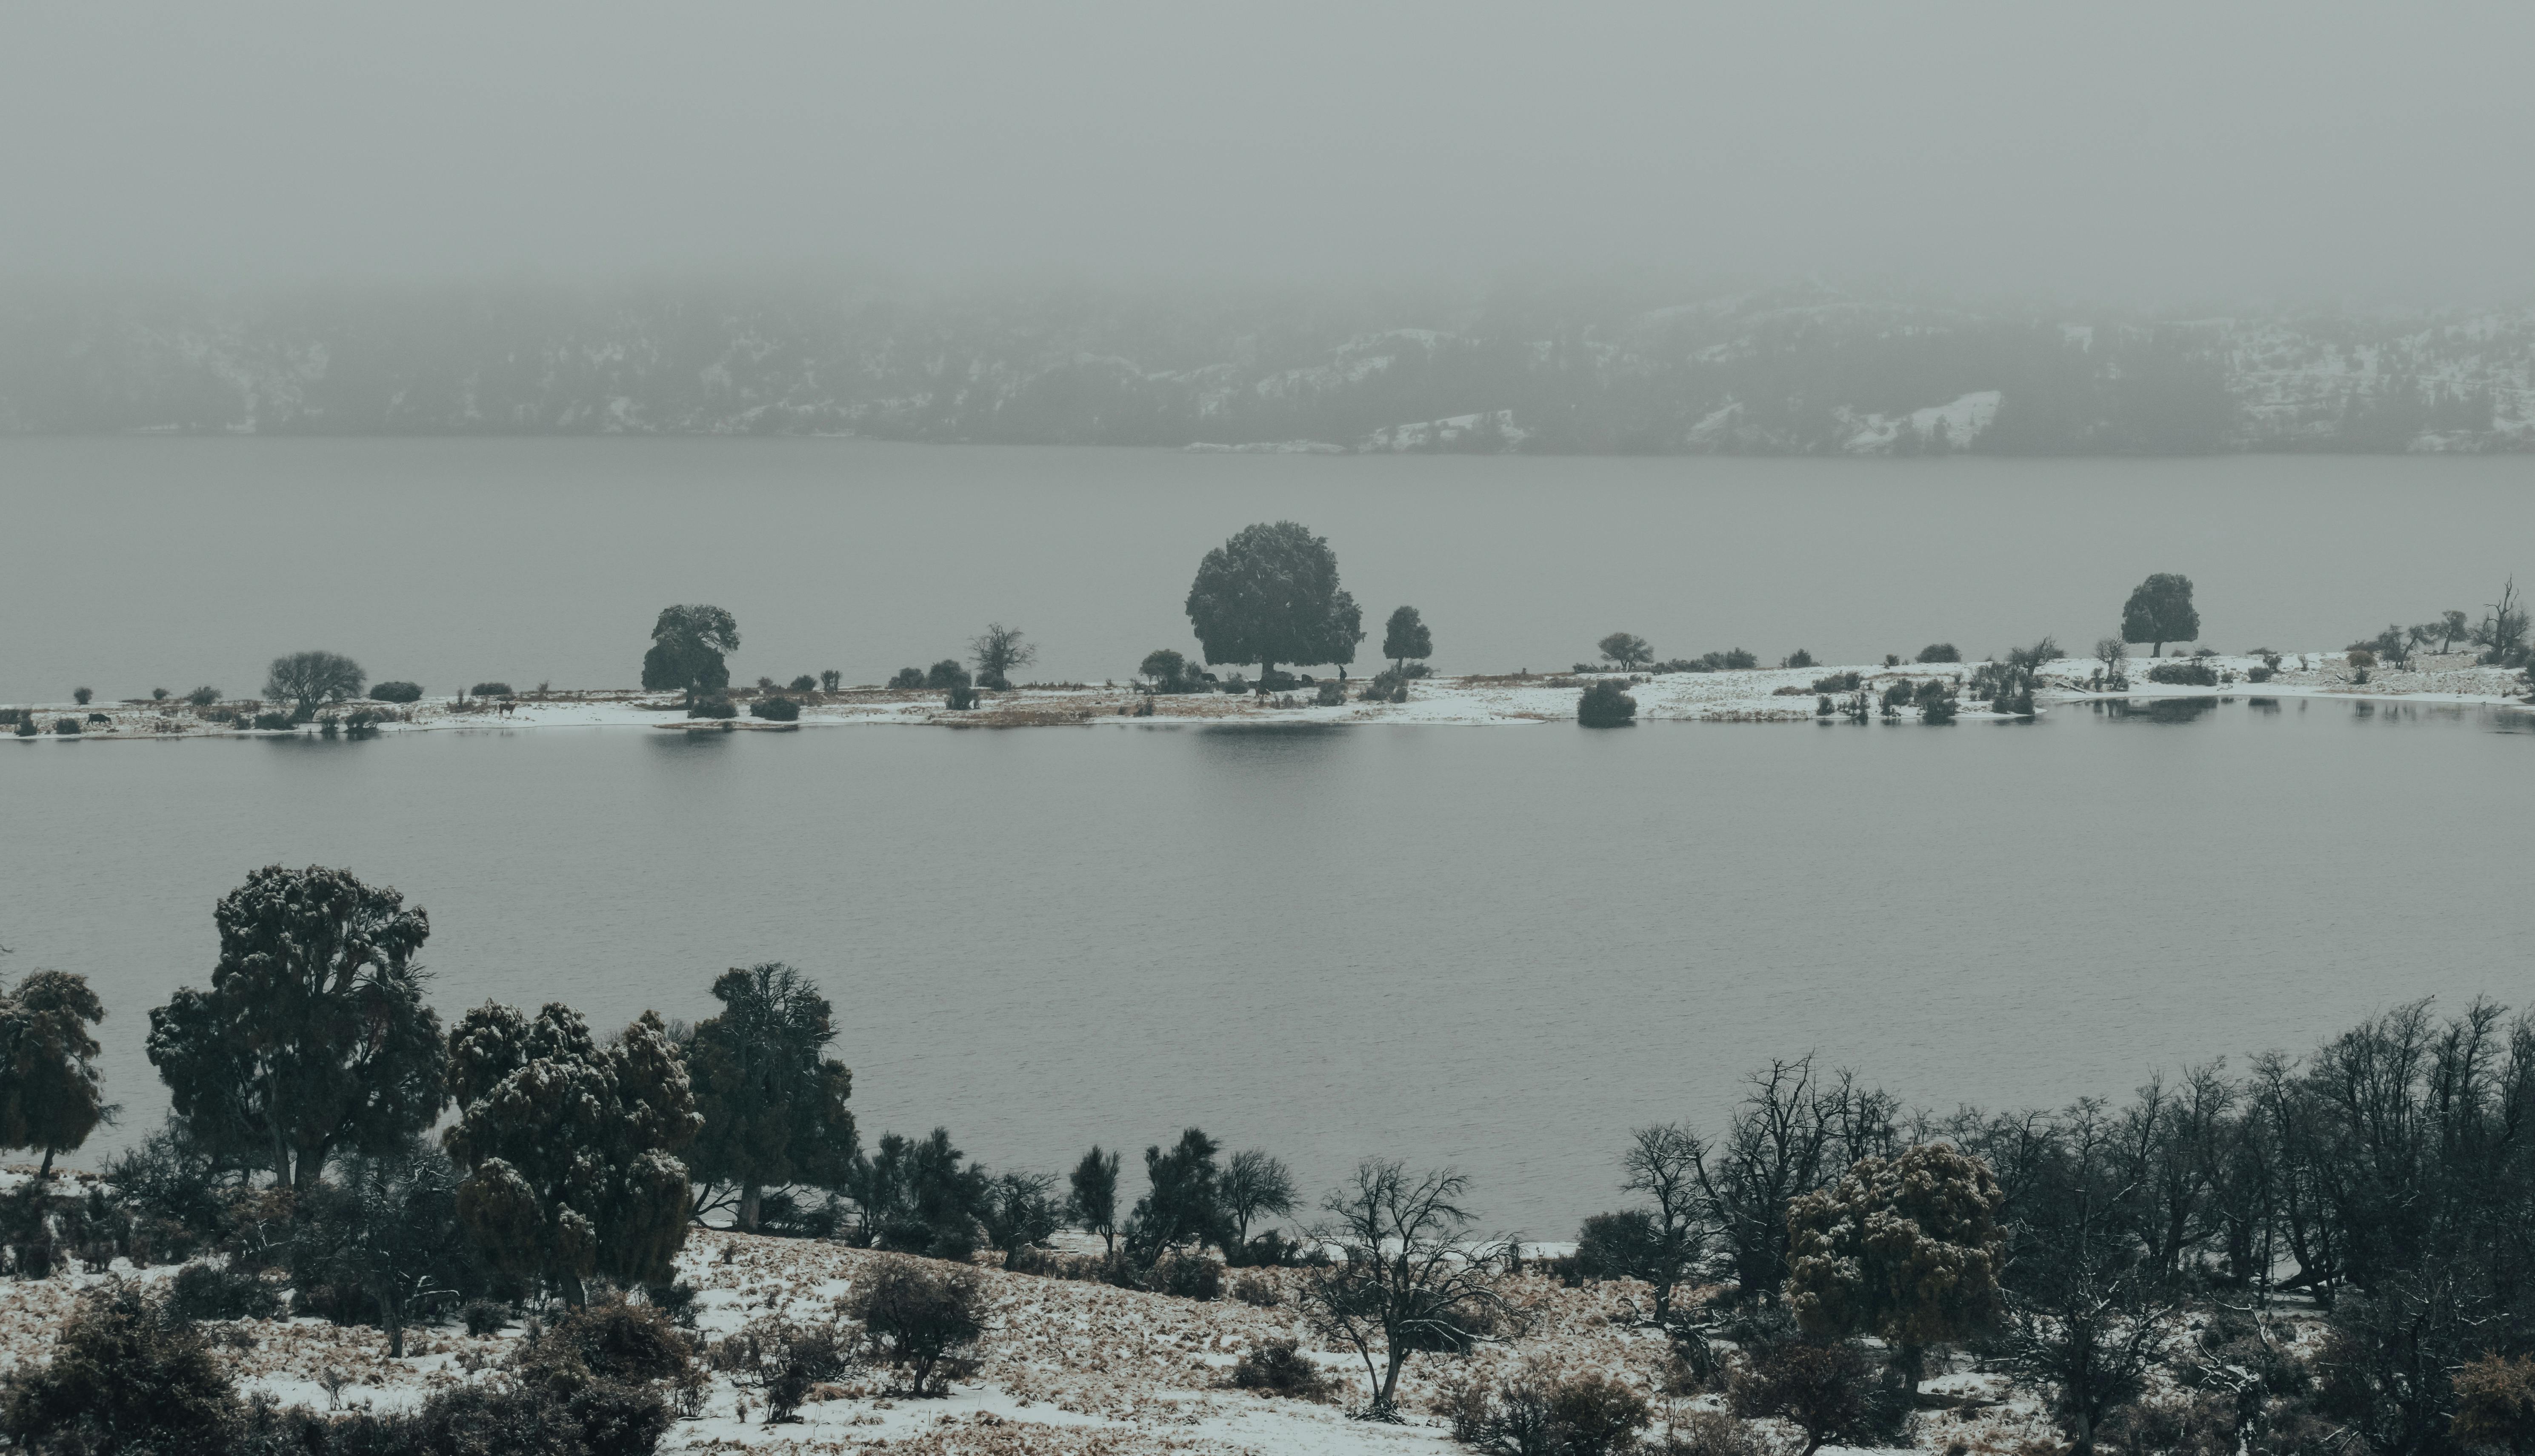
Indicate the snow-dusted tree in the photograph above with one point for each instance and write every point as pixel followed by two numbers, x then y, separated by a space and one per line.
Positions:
pixel 1905 1248
pixel 1270 594
pixel 570 1146
pixel 48 1075
pixel 307 678
pixel 2159 611
pixel 1253 1183
pixel 1407 635
pixel 688 643
pixel 998 651
pixel 919 1317
pixel 1186 1202
pixel 1626 650
pixel 773 1109
pixel 1411 1277
pixel 1091 1199
pixel 313 1037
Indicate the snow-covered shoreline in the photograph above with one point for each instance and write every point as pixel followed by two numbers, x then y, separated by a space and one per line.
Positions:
pixel 1766 694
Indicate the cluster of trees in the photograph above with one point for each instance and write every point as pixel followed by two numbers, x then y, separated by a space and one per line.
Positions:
pixel 2501 633
pixel 2389 1176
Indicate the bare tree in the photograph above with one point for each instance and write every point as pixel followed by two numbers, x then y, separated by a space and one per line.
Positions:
pixel 998 651
pixel 2113 652
pixel 1412 1278
pixel 1663 1162
pixel 1795 1134
pixel 1254 1183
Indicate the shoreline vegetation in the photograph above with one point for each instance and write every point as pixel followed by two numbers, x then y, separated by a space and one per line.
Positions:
pixel 1747 696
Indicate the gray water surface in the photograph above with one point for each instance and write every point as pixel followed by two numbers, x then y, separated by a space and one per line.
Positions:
pixel 1498 947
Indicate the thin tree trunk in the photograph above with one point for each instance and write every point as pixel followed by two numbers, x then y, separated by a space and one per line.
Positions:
pixel 45 1173
pixel 751 1201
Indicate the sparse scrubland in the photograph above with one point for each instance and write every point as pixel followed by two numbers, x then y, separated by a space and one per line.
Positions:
pixel 360 1232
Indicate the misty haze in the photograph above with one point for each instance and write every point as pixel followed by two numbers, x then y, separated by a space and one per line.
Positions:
pixel 1116 729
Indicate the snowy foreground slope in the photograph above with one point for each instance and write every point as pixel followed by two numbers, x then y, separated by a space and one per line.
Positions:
pixel 1067 1368
pixel 1771 694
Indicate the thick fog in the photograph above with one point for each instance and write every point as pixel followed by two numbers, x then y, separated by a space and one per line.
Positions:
pixel 2165 152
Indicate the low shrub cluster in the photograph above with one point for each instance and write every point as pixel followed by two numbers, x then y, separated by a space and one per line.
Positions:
pixel 1280 1368
pixel 1941 652
pixel 1604 705
pixel 489 690
pixel 1839 682
pixel 2193 673
pixel 396 692
pixel 1542 1412
pixel 271 722
pixel 776 709
pixel 906 678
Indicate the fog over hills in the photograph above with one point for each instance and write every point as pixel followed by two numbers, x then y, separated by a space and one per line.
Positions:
pixel 1805 370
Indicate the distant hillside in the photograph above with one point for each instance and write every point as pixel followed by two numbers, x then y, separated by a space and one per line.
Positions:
pixel 1793 373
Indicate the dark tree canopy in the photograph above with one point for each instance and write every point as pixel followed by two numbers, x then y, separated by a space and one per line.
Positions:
pixel 1905 1248
pixel 773 1108
pixel 48 1076
pixel 2159 611
pixel 1406 635
pixel 568 1145
pixel 1270 594
pixel 1185 1204
pixel 1091 1199
pixel 313 1037
pixel 307 678
pixel 688 643
pixel 1626 648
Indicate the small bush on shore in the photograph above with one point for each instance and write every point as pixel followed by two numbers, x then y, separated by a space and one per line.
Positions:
pixel 396 691
pixel 66 727
pixel 805 683
pixel 1839 682
pixel 774 709
pixel 1798 658
pixel 489 690
pixel 2191 673
pixel 1329 694
pixel 25 728
pixel 2257 675
pixel 271 722
pixel 1604 705
pixel 203 696
pixel 908 677
pixel 81 696
pixel 1941 652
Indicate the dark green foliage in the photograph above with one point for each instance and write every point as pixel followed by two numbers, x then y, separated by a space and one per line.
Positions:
pixel 947 673
pixel 688 643
pixel 309 679
pixel 1626 650
pixel 128 1375
pixel 49 1098
pixel 1799 658
pixel 998 651
pixel 396 691
pixel 1906 1250
pixel 1280 1368
pixel 805 683
pixel 1020 1210
pixel 1407 635
pixel 776 709
pixel 1270 594
pixel 919 1317
pixel 25 728
pixel 908 677
pixel 569 1146
pixel 1253 1184
pixel 66 727
pixel 606 1339
pixel 1539 1411
pixel 203 696
pixel 1186 1275
pixel 205 1290
pixel 1839 682
pixel 1605 706
pixel 1184 1205
pixel 1091 1197
pixel 784 1360
pixel 960 698
pixel 919 1196
pixel 273 722
pixel 1896 697
pixel 1937 710
pixel 81 695
pixel 1941 652
pixel 483 1317
pixel 1825 1391
pixel 1615 1245
pixel 773 1105
pixel 2195 674
pixel 500 1417
pixel 313 1037
pixel 172 1179
pixel 1330 693
pixel 489 690
pixel 386 1231
pixel 2160 611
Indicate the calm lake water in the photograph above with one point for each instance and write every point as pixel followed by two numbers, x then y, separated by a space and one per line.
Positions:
pixel 1498 947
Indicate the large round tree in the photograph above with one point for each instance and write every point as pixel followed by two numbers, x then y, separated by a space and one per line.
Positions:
pixel 313 1037
pixel 568 1145
pixel 1905 1248
pixel 48 1076
pixel 774 1107
pixel 2160 611
pixel 688 643
pixel 1270 594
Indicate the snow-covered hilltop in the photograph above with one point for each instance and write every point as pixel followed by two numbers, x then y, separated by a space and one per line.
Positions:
pixel 1793 372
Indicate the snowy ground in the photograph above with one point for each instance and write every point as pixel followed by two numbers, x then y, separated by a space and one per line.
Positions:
pixel 1768 694
pixel 1067 1369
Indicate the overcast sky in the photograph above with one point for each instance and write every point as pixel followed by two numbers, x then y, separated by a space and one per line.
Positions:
pixel 2170 152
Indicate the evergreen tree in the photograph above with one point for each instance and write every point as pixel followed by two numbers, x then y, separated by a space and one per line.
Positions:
pixel 688 643
pixel 2159 611
pixel 568 1145
pixel 1091 1203
pixel 1270 594
pixel 48 1076
pixel 314 1036
pixel 1905 1248
pixel 773 1109
pixel 1184 1204
pixel 1406 635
